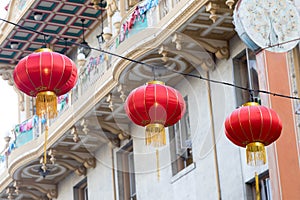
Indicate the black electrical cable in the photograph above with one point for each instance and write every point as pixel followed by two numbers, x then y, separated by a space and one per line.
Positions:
pixel 153 67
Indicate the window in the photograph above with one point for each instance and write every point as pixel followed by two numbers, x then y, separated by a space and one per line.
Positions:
pixel 245 75
pixel 81 190
pixel 264 187
pixel 125 173
pixel 181 143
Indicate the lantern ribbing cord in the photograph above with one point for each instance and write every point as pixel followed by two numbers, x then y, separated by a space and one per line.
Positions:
pixel 181 73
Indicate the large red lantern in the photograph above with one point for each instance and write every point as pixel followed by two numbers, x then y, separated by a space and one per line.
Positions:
pixel 253 126
pixel 155 106
pixel 45 75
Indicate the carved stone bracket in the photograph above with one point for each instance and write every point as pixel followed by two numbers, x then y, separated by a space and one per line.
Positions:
pixel 219 8
pixel 164 51
pixel 90 163
pixel 219 48
pixel 50 190
pixel 212 9
pixel 86 159
pixel 229 3
pixel 123 136
pixel 7 76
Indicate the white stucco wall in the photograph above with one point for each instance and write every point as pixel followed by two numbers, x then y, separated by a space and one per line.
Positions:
pixel 99 179
pixel 199 180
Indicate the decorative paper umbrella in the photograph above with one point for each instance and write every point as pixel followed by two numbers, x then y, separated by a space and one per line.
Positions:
pixel 253 126
pixel 155 106
pixel 45 75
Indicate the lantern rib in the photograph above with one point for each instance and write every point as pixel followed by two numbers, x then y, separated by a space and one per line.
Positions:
pixel 20 81
pixel 129 111
pixel 278 128
pixel 167 105
pixel 250 124
pixel 142 121
pixel 41 69
pixel 29 78
pixel 261 122
pixel 71 73
pixel 145 107
pixel 63 71
pixel 233 131
pixel 132 117
pixel 52 64
pixel 270 128
pixel 246 136
pixel 175 110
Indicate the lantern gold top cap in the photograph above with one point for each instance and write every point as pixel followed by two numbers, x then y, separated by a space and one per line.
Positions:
pixel 155 82
pixel 251 104
pixel 43 50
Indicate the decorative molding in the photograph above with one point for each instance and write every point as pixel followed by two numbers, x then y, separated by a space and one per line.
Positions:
pixel 7 76
pixel 229 3
pixel 219 48
pixel 50 190
pixel 212 9
pixel 163 50
pixel 85 159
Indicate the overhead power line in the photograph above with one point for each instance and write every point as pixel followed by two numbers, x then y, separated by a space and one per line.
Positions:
pixel 153 67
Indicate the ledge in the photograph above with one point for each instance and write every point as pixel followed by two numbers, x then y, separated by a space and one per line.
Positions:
pixel 183 172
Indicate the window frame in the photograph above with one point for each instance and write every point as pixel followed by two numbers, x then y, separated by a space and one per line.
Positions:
pixel 80 190
pixel 181 154
pixel 245 73
pixel 125 178
pixel 264 187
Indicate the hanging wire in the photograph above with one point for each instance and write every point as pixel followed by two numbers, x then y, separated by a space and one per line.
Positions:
pixel 250 90
pixel 45 41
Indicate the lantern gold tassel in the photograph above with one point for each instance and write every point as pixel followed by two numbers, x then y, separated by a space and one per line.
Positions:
pixel 256 154
pixel 257 187
pixel 45 149
pixel 157 164
pixel 46 103
pixel 155 135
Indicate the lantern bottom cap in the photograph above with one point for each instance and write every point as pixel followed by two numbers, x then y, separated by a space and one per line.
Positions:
pixel 155 135
pixel 255 154
pixel 46 104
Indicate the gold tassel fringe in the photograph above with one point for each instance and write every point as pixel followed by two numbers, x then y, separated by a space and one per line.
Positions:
pixel 45 145
pixel 155 135
pixel 157 164
pixel 46 103
pixel 256 154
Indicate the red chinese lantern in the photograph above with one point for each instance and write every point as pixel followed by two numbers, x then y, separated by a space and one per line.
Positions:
pixel 45 75
pixel 155 106
pixel 253 126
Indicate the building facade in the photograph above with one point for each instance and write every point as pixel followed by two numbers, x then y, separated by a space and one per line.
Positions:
pixel 95 152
